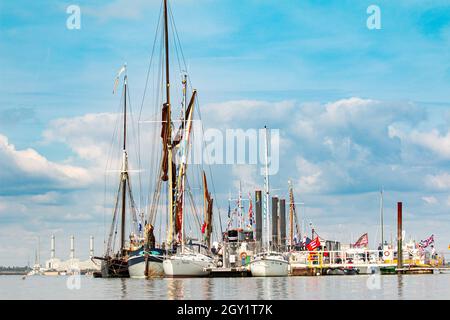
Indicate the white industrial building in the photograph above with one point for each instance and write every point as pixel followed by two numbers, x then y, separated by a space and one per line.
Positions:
pixel 55 266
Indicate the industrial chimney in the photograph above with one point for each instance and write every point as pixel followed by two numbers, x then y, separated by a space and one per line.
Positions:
pixel 274 220
pixel 52 247
pixel 258 220
pixel 282 226
pixel 72 247
pixel 91 246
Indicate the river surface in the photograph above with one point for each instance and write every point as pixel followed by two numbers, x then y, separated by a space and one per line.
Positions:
pixel 435 286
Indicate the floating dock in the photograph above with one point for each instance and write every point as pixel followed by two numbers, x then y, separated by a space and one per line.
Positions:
pixel 229 272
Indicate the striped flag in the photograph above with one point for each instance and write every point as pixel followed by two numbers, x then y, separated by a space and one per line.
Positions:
pixel 363 241
pixel 314 244
pixel 425 243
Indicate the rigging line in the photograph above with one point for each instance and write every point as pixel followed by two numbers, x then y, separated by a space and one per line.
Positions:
pixel 158 78
pixel 136 150
pixel 113 224
pixel 175 44
pixel 110 152
pixel 191 197
pixel 146 85
pixel 209 167
pixel 176 34
pixel 151 59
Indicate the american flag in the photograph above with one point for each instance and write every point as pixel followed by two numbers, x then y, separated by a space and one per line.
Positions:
pixel 425 243
pixel 313 244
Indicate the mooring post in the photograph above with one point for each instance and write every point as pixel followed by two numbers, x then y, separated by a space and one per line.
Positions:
pixel 399 236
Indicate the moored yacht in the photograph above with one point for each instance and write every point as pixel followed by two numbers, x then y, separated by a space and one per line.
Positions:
pixel 269 264
pixel 188 263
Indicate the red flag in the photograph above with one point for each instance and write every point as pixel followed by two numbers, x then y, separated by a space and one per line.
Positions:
pixel 313 244
pixel 204 227
pixel 363 241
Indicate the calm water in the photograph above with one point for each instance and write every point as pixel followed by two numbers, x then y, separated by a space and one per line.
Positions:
pixel 435 286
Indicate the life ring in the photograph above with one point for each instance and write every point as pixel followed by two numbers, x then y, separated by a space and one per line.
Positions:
pixel 386 253
pixel 243 255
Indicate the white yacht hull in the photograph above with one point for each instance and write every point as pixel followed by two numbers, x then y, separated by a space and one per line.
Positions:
pixel 269 267
pixel 187 266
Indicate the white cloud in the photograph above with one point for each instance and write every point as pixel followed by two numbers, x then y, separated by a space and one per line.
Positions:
pixel 432 140
pixel 22 168
pixel 438 181
pixel 430 200
pixel 239 112
pixel 89 136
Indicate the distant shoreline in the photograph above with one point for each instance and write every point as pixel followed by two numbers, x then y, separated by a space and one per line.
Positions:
pixel 13 273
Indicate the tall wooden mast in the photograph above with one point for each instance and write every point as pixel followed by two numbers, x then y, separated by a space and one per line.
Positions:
pixel 169 124
pixel 124 175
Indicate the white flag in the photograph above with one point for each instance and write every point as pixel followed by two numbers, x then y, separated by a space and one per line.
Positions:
pixel 116 81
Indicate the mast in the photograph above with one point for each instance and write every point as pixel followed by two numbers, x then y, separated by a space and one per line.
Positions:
pixel 169 124
pixel 124 169
pixel 183 183
pixel 381 217
pixel 240 215
pixel 266 187
pixel 291 215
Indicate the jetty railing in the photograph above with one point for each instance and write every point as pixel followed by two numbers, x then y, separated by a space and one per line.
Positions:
pixel 348 258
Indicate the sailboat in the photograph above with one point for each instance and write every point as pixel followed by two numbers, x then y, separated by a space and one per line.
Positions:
pixel 268 263
pixel 180 258
pixel 114 264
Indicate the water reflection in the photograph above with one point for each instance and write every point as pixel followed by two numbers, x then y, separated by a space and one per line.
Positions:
pixel 400 286
pixel 209 289
pixel 175 289
pixel 271 288
pixel 327 287
pixel 123 288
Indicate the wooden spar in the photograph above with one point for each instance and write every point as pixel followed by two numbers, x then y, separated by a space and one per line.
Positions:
pixel 124 169
pixel 205 200
pixel 181 179
pixel 399 235
pixel 169 124
pixel 208 205
pixel 381 218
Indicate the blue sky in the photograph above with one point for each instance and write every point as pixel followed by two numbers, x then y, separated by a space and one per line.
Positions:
pixel 357 108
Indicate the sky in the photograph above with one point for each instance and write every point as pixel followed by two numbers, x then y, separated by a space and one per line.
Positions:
pixel 357 109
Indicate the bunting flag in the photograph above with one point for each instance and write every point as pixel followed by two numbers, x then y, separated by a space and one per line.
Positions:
pixel 363 241
pixel 314 244
pixel 425 243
